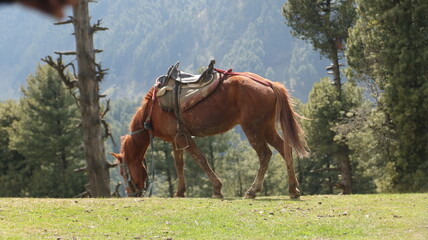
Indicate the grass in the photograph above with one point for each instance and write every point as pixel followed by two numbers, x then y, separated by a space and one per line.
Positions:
pixel 385 216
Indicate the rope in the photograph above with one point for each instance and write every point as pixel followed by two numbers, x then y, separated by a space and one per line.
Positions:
pixel 151 182
pixel 231 73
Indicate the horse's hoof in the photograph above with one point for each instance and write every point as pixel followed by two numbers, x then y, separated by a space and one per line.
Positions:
pixel 295 195
pixel 217 196
pixel 250 195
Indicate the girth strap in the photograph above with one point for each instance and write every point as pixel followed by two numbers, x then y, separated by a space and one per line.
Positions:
pixel 150 182
pixel 182 130
pixel 148 126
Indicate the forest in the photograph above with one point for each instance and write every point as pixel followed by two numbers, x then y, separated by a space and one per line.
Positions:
pixel 355 68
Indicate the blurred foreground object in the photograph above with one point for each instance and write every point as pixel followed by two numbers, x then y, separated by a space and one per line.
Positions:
pixel 51 7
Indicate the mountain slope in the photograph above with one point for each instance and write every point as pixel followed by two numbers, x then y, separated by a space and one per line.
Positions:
pixel 146 37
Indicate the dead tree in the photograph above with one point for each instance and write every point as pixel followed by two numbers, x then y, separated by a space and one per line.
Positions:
pixel 90 74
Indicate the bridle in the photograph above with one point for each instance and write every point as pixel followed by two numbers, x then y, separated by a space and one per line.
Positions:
pixel 129 183
pixel 148 186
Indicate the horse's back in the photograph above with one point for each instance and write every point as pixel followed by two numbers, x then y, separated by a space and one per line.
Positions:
pixel 237 100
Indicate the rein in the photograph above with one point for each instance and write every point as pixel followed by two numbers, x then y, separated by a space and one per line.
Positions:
pixel 150 183
pixel 148 126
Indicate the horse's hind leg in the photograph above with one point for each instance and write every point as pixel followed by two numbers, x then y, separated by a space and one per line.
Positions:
pixel 200 159
pixel 273 138
pixel 179 167
pixel 257 141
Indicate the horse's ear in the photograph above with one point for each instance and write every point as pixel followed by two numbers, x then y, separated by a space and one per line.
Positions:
pixel 117 156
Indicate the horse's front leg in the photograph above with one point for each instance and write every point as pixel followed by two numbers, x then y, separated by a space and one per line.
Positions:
pixel 179 167
pixel 200 159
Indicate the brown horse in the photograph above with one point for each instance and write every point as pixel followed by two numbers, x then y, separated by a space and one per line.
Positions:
pixel 255 103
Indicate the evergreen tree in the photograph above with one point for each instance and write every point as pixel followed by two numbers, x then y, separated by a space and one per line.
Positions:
pixel 166 177
pixel 237 164
pixel 325 23
pixel 326 145
pixel 372 146
pixel 12 164
pixel 48 136
pixel 389 44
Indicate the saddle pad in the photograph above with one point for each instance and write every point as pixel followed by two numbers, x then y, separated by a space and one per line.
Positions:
pixel 187 77
pixel 189 95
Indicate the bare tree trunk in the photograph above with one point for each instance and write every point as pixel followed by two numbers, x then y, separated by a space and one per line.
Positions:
pixel 343 155
pixel 88 85
pixel 345 169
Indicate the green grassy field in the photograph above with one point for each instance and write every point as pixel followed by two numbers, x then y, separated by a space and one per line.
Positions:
pixel 386 216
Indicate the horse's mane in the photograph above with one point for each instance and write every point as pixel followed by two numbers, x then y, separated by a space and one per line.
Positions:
pixel 137 121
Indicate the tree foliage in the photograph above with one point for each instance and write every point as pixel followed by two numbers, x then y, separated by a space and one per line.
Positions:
pixel 321 22
pixel 318 173
pixel 389 45
pixel 12 163
pixel 47 136
pixel 325 23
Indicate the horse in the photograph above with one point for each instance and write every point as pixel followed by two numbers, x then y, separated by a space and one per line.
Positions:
pixel 255 103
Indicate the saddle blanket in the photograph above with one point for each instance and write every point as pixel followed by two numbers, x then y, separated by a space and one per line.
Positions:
pixel 189 95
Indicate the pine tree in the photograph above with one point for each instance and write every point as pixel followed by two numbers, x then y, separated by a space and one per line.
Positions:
pixel 325 23
pixel 12 163
pixel 389 44
pixel 48 136
pixel 326 145
pixel 89 75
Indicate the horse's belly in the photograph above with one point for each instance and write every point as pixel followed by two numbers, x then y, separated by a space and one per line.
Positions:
pixel 234 102
pixel 210 121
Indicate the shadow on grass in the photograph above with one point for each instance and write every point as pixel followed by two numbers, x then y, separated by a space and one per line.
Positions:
pixel 266 199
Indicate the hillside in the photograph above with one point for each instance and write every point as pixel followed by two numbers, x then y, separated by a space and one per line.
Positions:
pixel 146 37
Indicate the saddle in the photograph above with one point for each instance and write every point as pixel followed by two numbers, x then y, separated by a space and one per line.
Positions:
pixel 179 91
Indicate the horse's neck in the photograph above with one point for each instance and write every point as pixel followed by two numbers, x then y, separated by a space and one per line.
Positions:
pixel 137 122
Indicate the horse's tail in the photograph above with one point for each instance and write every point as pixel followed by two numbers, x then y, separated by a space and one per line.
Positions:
pixel 292 132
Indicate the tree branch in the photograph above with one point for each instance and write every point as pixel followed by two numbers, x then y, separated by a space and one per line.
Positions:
pixel 325 169
pixel 112 165
pixel 100 72
pixel 81 169
pixel 107 108
pixel 97 27
pixel 105 124
pixel 65 22
pixel 66 53
pixel 85 194
pixel 60 68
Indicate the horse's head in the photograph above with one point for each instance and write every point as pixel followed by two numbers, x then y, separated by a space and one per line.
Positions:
pixel 132 166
